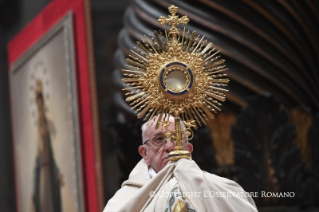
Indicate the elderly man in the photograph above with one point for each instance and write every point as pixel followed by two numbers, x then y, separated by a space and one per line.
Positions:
pixel 156 184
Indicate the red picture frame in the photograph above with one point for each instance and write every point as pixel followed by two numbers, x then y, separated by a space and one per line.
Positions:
pixel 85 80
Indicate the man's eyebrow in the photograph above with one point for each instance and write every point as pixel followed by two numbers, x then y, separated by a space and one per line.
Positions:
pixel 159 133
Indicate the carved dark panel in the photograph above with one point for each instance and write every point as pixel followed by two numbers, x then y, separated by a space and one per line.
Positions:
pixel 267 158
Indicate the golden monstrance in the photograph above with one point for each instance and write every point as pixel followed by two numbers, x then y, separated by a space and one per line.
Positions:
pixel 175 75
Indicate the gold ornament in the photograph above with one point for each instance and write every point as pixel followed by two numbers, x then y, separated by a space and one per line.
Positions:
pixel 178 75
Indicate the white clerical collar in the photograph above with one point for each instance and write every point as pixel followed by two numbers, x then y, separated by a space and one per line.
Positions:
pixel 152 172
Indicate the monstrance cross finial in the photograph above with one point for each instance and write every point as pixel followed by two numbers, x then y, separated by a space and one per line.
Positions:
pixel 173 20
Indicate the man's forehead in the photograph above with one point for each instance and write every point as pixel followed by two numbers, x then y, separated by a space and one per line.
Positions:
pixel 150 127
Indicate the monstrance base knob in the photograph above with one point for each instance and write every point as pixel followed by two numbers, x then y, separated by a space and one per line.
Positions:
pixel 178 154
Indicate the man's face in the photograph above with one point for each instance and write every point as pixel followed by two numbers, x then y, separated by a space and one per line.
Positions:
pixel 157 157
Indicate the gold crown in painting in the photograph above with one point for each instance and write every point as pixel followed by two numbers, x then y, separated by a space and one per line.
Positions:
pixel 175 74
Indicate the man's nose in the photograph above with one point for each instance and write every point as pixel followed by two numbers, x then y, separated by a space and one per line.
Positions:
pixel 169 145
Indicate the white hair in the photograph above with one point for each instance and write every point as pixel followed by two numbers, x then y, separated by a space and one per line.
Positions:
pixel 144 126
pixel 143 131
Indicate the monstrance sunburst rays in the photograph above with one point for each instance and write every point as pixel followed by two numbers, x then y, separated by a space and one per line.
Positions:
pixel 175 73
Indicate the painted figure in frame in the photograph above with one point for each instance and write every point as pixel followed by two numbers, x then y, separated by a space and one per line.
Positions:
pixel 47 178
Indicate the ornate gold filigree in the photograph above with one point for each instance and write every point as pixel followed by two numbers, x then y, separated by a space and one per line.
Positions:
pixel 191 59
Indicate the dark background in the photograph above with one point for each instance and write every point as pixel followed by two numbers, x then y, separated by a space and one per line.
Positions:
pixel 266 138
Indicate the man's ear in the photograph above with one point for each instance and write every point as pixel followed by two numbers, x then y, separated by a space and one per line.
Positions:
pixel 143 152
pixel 190 147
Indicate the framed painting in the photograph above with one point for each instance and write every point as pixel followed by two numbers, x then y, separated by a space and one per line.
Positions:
pixel 46 126
pixel 56 147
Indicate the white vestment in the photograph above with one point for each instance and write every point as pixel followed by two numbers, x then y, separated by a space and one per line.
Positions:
pixel 180 186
